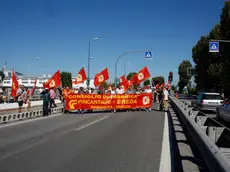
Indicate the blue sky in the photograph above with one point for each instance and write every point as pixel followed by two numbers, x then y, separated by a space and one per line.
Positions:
pixel 58 31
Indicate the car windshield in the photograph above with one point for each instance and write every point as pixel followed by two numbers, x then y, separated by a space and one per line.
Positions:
pixel 212 97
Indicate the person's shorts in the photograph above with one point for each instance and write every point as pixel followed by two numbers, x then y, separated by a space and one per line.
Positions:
pixel 20 103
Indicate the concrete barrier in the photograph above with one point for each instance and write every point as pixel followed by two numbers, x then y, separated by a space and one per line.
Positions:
pixel 27 115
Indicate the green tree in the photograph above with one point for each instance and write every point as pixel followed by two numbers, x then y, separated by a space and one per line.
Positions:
pixel 173 87
pixel 66 79
pixel 130 75
pixel 225 47
pixel 2 75
pixel 146 82
pixel 158 80
pixel 106 85
pixel 213 68
pixel 182 71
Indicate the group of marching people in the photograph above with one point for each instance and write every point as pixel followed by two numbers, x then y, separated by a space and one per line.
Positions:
pixel 160 95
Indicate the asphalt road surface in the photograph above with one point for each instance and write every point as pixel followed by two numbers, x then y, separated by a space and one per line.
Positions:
pixel 106 142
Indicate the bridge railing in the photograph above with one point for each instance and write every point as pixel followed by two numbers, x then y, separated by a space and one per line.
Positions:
pixel 26 115
pixel 211 137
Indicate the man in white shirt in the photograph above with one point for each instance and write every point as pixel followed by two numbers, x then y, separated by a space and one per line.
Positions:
pixel 165 98
pixel 113 91
pixel 148 90
pixel 119 90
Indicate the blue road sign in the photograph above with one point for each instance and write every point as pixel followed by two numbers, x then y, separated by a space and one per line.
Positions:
pixel 214 47
pixel 148 55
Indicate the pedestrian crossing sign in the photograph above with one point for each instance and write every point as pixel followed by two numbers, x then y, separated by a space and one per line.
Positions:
pixel 148 55
pixel 214 47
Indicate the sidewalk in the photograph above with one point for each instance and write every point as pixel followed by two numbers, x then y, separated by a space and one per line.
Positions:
pixel 13 107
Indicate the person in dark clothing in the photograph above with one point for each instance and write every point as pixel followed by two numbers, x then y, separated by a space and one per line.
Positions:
pixel 160 97
pixel 46 99
pixel 81 91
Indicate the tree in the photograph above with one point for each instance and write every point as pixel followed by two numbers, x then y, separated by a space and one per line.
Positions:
pixel 158 80
pixel 173 88
pixel 106 85
pixel 213 68
pixel 182 71
pixel 225 51
pixel 146 82
pixel 2 75
pixel 130 75
pixel 66 79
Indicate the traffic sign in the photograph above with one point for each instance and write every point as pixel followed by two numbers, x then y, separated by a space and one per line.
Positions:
pixel 148 55
pixel 214 47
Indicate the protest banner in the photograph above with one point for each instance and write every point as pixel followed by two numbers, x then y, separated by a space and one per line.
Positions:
pixel 107 101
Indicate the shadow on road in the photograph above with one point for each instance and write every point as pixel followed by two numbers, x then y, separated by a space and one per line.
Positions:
pixel 185 155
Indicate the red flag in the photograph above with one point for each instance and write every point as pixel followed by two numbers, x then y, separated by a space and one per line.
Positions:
pixel 142 75
pixel 127 84
pixel 130 82
pixel 33 89
pixel 53 82
pixel 101 77
pixel 122 79
pixel 157 86
pixel 14 86
pixel 81 77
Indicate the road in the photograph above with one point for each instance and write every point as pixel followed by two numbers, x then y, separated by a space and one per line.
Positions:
pixel 99 142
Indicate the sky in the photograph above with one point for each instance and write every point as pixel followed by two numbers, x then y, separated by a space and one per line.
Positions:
pixel 58 32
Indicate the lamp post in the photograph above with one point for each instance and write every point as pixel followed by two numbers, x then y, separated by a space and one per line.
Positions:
pixel 126 67
pixel 226 41
pixel 89 58
pixel 129 52
pixel 37 58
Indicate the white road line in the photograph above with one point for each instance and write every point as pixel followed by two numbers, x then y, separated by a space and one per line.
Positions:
pixel 91 123
pixel 165 161
pixel 47 139
pixel 29 120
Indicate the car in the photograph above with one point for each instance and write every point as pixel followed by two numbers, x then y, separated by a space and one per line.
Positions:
pixel 223 111
pixel 207 101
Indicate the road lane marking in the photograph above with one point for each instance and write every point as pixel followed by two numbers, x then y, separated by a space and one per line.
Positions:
pixel 29 120
pixel 47 139
pixel 165 160
pixel 91 123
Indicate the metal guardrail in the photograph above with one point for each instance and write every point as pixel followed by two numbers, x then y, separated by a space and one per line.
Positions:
pixel 27 115
pixel 211 138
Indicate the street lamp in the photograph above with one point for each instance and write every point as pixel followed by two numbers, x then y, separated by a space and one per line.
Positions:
pixel 37 58
pixel 129 52
pixel 126 67
pixel 89 58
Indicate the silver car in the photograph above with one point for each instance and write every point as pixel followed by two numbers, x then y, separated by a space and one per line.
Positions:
pixel 207 101
pixel 223 111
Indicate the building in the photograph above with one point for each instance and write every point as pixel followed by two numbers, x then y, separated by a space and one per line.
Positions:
pixel 8 73
pixel 29 81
